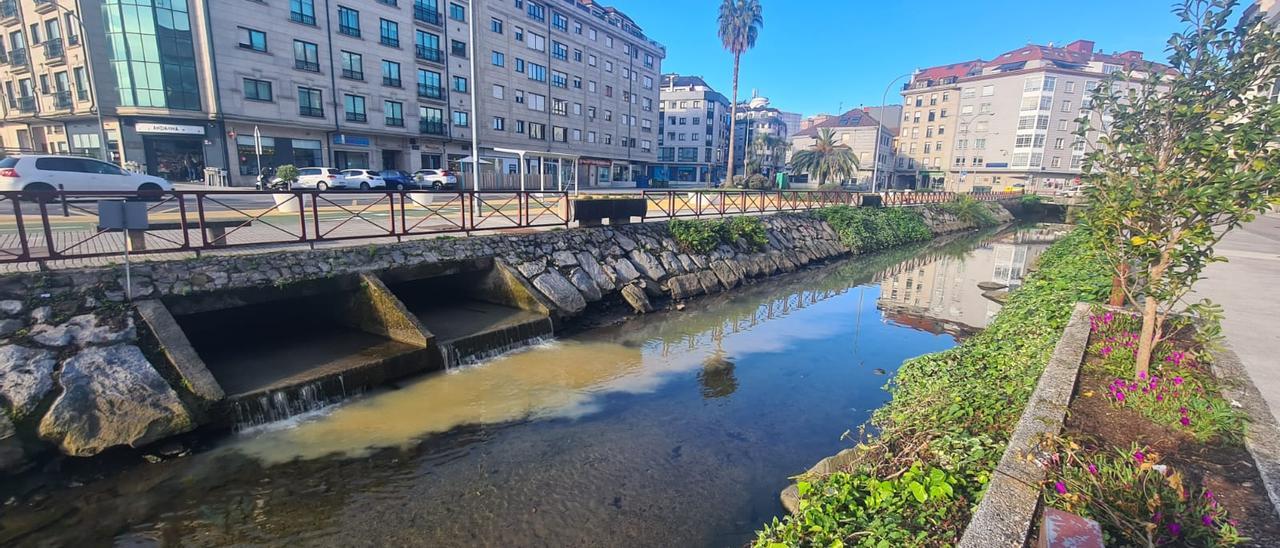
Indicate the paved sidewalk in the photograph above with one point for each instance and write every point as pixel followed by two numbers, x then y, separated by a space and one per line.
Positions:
pixel 1248 288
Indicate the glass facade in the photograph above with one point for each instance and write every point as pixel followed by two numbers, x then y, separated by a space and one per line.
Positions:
pixel 150 50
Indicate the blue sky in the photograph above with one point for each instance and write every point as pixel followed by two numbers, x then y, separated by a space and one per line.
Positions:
pixel 816 55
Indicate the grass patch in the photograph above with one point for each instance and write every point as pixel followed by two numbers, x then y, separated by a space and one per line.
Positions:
pixel 704 235
pixel 867 229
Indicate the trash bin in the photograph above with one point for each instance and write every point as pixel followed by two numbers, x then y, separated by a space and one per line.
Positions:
pixel 782 181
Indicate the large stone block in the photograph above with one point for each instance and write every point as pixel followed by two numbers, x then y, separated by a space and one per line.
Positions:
pixel 637 298
pixel 84 330
pixel 175 345
pixel 684 287
pixel 729 277
pixel 560 292
pixel 623 269
pixel 587 286
pixel 111 396
pixel 26 376
pixel 710 283
pixel 647 265
pixel 593 268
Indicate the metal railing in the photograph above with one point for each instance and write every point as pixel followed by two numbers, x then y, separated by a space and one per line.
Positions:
pixel 53 49
pixel 61 226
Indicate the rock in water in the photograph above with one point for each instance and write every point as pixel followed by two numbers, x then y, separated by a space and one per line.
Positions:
pixel 112 396
pixel 26 375
pixel 561 293
pixel 637 298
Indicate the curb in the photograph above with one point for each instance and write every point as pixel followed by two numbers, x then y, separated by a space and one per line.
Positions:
pixel 1008 506
pixel 1262 433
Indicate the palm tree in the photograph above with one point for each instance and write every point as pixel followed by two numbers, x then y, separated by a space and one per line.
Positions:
pixel 740 24
pixel 826 158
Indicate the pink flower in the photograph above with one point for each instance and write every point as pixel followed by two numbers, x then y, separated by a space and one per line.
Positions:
pixel 1185 421
pixel 1142 375
pixel 1093 470
pixel 1177 381
pixel 1060 487
pixel 1159 397
pixel 1139 456
pixel 1119 396
pixel 1175 529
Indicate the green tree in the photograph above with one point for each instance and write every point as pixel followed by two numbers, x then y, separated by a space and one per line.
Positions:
pixel 826 158
pixel 740 23
pixel 1182 157
pixel 288 173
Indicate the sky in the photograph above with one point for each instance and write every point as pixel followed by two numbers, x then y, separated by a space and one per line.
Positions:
pixel 822 56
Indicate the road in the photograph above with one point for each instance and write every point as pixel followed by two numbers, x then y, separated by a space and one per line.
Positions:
pixel 1248 288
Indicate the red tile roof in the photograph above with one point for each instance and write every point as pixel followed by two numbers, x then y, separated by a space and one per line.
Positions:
pixel 854 118
pixel 958 70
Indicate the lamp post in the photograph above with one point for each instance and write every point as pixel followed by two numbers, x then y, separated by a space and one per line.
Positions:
pixel 875 161
pixel 93 90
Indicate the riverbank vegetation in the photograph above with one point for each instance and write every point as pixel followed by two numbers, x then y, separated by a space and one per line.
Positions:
pixel 867 229
pixel 915 480
pixel 704 235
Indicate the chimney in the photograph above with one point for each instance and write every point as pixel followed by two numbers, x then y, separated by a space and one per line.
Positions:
pixel 1081 46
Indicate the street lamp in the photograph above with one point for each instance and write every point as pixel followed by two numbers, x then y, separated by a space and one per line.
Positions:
pixel 875 161
pixel 88 63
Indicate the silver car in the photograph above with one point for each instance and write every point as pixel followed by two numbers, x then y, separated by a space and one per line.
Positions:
pixel 364 179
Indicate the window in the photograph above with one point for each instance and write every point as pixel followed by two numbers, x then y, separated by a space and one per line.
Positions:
pixel 458 49
pixel 390 73
pixel 559 134
pixel 591 86
pixel 1050 83
pixel 537 131
pixel 257 90
pixel 353 105
pixel 1066 106
pixel 519 65
pixel 577 56
pixel 459 84
pixel 577 82
pixel 306 56
pixel 988 91
pixel 389 33
pixel 608 65
pixel 559 79
pixel 255 40
pixel 495 25
pixel 429 84
pixel 537 102
pixel 352 65
pixel 519 34
pixel 537 72
pixel 559 51
pixel 499 59
pixel 648 82
pixel 348 21
pixel 302 11
pixel 1069 87
pixel 461 118
pixel 537 12
pixel 519 97
pixel 519 126
pixel 591 60
pixel 560 107
pixel 1056 162
pixel 560 22
pixel 1058 143
pixel 648 61
pixel 457 12
pixel 537 42
pixel 309 103
pixel 394 112
pixel 967 93
pixel 499 92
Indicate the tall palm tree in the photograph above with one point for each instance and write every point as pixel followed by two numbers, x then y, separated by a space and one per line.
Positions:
pixel 740 24
pixel 826 158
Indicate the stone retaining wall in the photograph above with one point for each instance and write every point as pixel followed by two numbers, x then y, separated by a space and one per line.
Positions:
pixel 73 373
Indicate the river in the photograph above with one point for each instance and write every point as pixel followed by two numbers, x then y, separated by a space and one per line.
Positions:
pixel 671 429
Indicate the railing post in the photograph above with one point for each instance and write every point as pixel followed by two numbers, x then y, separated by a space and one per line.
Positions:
pixel 204 236
pixel 315 211
pixel 182 220
pixel 22 230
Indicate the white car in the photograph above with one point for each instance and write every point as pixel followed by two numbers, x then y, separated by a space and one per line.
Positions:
pixel 34 173
pixel 435 179
pixel 320 178
pixel 364 179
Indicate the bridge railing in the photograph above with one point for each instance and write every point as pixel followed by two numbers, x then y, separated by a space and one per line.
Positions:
pixel 60 226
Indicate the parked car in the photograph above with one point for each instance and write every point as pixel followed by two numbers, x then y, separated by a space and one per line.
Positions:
pixel 319 178
pixel 435 179
pixel 45 174
pixel 364 179
pixel 1074 192
pixel 397 179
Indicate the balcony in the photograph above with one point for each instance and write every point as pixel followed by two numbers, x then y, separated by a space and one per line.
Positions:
pixel 353 32
pixel 73 40
pixel 431 127
pixel 82 94
pixel 425 53
pixel 44 6
pixel 8 9
pixel 357 117
pixel 391 82
pixel 313 112
pixel 27 104
pixel 395 122
pixel 309 66
pixel 62 100
pixel 430 92
pixel 18 59
pixel 352 74
pixel 426 15
pixel 53 51
pixel 304 18
pixel 389 41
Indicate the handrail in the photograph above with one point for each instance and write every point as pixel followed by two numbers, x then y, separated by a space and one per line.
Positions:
pixel 185 221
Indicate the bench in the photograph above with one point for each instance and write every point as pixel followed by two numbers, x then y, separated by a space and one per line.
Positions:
pixel 215 231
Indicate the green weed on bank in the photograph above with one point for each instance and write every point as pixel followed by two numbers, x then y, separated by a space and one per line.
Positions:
pixel 916 482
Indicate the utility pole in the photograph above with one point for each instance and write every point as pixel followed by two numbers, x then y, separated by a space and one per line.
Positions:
pixel 875 161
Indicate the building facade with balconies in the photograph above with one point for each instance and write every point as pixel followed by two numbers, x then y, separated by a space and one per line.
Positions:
pixel 760 138
pixel 693 131
pixel 858 130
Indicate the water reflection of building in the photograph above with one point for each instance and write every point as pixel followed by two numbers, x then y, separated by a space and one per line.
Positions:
pixel 942 295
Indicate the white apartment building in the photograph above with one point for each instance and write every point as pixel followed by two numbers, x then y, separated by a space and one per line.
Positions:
pixel 693 131
pixel 856 129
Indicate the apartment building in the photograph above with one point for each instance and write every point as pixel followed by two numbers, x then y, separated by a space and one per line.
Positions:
pixel 693 131
pixel 1007 121
pixel 858 130
pixel 756 122
pixel 382 84
pixel 567 84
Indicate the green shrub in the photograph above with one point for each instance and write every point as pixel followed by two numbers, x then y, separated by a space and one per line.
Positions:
pixel 865 229
pixel 951 411
pixel 971 211
pixel 704 235
pixel 287 173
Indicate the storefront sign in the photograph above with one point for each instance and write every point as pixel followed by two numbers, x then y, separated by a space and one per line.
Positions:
pixel 350 140
pixel 150 127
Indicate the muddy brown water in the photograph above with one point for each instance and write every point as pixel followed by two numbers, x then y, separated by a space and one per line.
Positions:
pixel 671 429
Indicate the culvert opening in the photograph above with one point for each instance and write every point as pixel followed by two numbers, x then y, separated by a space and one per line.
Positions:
pixel 474 313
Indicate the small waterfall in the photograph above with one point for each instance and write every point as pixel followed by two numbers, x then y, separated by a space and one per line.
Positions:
pixel 493 343
pixel 285 403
